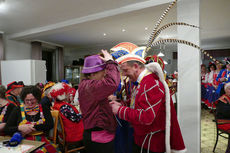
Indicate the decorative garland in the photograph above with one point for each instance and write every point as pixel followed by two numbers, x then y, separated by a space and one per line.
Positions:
pixel 24 121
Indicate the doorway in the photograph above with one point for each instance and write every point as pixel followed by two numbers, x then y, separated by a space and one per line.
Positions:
pixel 48 56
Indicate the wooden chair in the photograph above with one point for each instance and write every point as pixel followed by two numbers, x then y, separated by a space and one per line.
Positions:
pixel 219 131
pixel 53 132
pixel 61 139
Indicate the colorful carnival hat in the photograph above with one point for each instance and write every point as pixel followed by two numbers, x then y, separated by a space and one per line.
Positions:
pixel 127 51
pixel 59 91
pixel 155 58
pixel 48 85
pixel 93 64
pixel 65 81
pixel 13 85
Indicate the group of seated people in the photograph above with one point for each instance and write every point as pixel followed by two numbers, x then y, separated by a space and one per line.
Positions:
pixel 27 109
pixel 213 81
pixel 215 93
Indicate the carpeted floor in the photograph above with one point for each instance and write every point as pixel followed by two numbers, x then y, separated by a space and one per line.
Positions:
pixel 208 134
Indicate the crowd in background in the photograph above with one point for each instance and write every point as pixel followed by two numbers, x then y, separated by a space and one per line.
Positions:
pixel 213 79
pixel 27 110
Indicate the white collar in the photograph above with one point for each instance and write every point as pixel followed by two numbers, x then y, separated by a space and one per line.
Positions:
pixel 141 75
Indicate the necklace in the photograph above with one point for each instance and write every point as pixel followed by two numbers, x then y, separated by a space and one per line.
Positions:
pixel 24 121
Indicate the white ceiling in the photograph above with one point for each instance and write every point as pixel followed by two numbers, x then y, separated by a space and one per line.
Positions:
pixel 73 23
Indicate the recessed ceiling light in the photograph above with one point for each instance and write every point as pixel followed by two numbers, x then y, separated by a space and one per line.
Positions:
pixel 3 7
pixel 123 30
pixel 104 34
pixel 146 28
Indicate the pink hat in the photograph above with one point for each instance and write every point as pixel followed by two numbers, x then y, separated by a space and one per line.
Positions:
pixel 93 64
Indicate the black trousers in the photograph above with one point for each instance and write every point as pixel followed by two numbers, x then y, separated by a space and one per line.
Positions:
pixel 137 149
pixel 94 147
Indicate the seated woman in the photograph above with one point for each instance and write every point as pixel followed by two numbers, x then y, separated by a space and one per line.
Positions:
pixel 223 106
pixel 5 108
pixel 223 111
pixel 31 119
pixel 73 124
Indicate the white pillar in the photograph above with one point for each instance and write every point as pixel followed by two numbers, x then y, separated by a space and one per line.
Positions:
pixel 189 75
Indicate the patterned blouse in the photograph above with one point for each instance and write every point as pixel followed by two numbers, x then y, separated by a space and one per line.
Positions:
pixel 69 113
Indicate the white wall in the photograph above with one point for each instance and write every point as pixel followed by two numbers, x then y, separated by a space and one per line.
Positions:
pixel 28 71
pixel 16 50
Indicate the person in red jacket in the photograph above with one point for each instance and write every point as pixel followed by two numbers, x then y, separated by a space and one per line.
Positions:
pixel 151 111
pixel 72 119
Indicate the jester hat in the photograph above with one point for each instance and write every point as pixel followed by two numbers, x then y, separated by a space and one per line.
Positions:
pixel 127 51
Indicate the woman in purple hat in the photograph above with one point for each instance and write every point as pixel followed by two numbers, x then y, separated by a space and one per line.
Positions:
pixel 102 80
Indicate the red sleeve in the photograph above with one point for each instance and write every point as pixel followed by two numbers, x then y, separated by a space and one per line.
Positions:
pixel 149 99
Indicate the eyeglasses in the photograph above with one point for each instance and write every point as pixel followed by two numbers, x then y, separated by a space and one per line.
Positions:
pixel 30 100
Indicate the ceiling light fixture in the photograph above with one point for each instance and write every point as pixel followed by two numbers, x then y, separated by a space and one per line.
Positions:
pixel 146 28
pixel 104 34
pixel 160 54
pixel 123 30
pixel 3 6
pixel 161 48
pixel 165 62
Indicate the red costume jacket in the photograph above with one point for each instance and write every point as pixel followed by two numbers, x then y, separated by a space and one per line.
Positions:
pixel 149 117
pixel 73 131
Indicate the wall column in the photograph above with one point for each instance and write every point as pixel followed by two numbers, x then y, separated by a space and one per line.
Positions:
pixel 60 61
pixel 2 54
pixel 189 99
pixel 36 50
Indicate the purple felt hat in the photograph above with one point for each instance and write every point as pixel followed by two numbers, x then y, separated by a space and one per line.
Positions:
pixel 93 64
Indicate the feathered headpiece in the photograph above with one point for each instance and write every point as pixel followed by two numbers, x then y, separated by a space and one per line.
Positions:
pixel 156 31
pixel 59 91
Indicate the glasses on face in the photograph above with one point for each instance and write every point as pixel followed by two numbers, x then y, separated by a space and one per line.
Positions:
pixel 30 100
